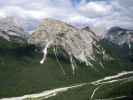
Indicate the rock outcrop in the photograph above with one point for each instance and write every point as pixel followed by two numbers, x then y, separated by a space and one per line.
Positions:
pixel 87 28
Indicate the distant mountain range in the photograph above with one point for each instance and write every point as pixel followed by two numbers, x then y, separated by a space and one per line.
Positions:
pixel 122 39
pixel 120 36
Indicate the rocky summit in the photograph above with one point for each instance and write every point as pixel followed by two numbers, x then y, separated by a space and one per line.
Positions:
pixel 80 44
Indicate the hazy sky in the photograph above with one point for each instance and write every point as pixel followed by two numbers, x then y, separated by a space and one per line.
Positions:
pixel 101 14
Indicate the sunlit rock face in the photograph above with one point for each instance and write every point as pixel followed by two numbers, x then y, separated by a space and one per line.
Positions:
pixel 87 28
pixel 78 44
pixel 10 30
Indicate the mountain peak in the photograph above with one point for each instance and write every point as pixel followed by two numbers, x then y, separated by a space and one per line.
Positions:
pixel 12 31
pixel 119 35
pixel 77 43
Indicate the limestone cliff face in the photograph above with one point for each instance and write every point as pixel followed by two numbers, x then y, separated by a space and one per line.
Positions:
pixel 77 43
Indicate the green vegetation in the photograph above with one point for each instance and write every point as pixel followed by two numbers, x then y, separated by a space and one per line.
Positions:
pixel 21 73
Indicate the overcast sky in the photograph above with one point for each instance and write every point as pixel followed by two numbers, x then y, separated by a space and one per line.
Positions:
pixel 101 14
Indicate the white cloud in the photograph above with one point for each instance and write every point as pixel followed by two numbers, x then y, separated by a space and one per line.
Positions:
pixel 95 9
pixel 2 14
pixel 38 7
pixel 99 14
pixel 108 14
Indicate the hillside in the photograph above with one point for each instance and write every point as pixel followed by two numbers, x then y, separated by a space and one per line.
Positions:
pixel 22 74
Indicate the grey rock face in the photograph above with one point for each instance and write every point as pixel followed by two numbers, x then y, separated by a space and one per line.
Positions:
pixel 11 31
pixel 80 44
pixel 75 42
pixel 87 28
pixel 120 36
